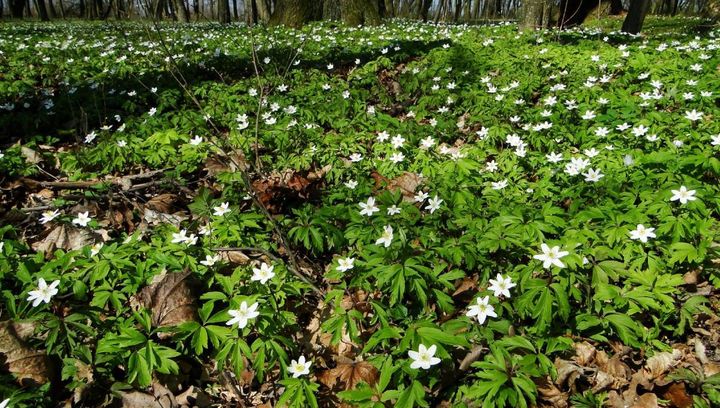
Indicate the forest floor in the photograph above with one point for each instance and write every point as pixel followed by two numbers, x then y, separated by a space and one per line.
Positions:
pixel 407 215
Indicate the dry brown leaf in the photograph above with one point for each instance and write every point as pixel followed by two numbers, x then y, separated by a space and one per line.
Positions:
pixel 234 257
pixel 222 163
pixel 584 353
pixel 31 156
pixel 162 203
pixel 27 364
pixel 320 173
pixel 661 363
pixel 406 183
pixel 172 300
pixel 66 237
pixel 137 399
pixel 465 284
pixel 677 394
pixel 551 394
pixel 567 372
pixel 349 373
pixel 648 400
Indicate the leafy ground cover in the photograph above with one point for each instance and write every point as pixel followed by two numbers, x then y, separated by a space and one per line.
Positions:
pixel 405 215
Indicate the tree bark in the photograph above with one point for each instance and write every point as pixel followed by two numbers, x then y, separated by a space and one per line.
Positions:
pixel 16 8
pixel 182 11
pixel 331 10
pixel 532 15
pixel 42 10
pixel 263 10
pixel 359 12
pixel 636 16
pixel 224 11
pixel 295 13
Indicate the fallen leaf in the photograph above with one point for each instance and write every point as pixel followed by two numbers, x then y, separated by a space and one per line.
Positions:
pixel 551 394
pixel 162 203
pixel 349 373
pixel 661 363
pixel 234 257
pixel 677 394
pixel 67 237
pixel 584 353
pixel 31 156
pixel 406 183
pixel 19 359
pixel 172 300
pixel 648 400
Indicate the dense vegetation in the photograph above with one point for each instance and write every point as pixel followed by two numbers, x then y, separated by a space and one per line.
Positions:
pixel 403 215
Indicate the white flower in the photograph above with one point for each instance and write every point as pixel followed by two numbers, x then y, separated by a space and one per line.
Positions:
pixel 152 111
pixel 82 219
pixel 554 157
pixel 48 216
pixel 641 233
pixel 683 195
pixel 242 315
pixel 178 237
pixel 43 293
pixel 588 115
pixel 501 286
pixel 421 196
pixel 397 157
pixel 392 210
pixel 90 137
pixel 434 204
pixel 387 236
pixel 397 141
pixel 205 230
pixel 196 140
pixel 499 185
pixel 593 175
pixel 121 143
pixel 299 367
pixel 210 260
pixel 368 208
pixel 693 115
pixel 551 256
pixel 263 274
pixel 4 403
pixel 423 358
pixel 482 309
pixel 345 264
pixel 351 184
pixel 95 249
pixel 355 157
pixel 223 209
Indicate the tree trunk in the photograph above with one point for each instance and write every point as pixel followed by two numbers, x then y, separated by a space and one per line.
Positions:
pixel 331 10
pixel 42 10
pixel 636 16
pixel 263 10
pixel 532 15
pixel 295 13
pixel 224 11
pixel 235 10
pixel 458 10
pixel 51 9
pixel 359 12
pixel 424 9
pixel 16 8
pixel 182 11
